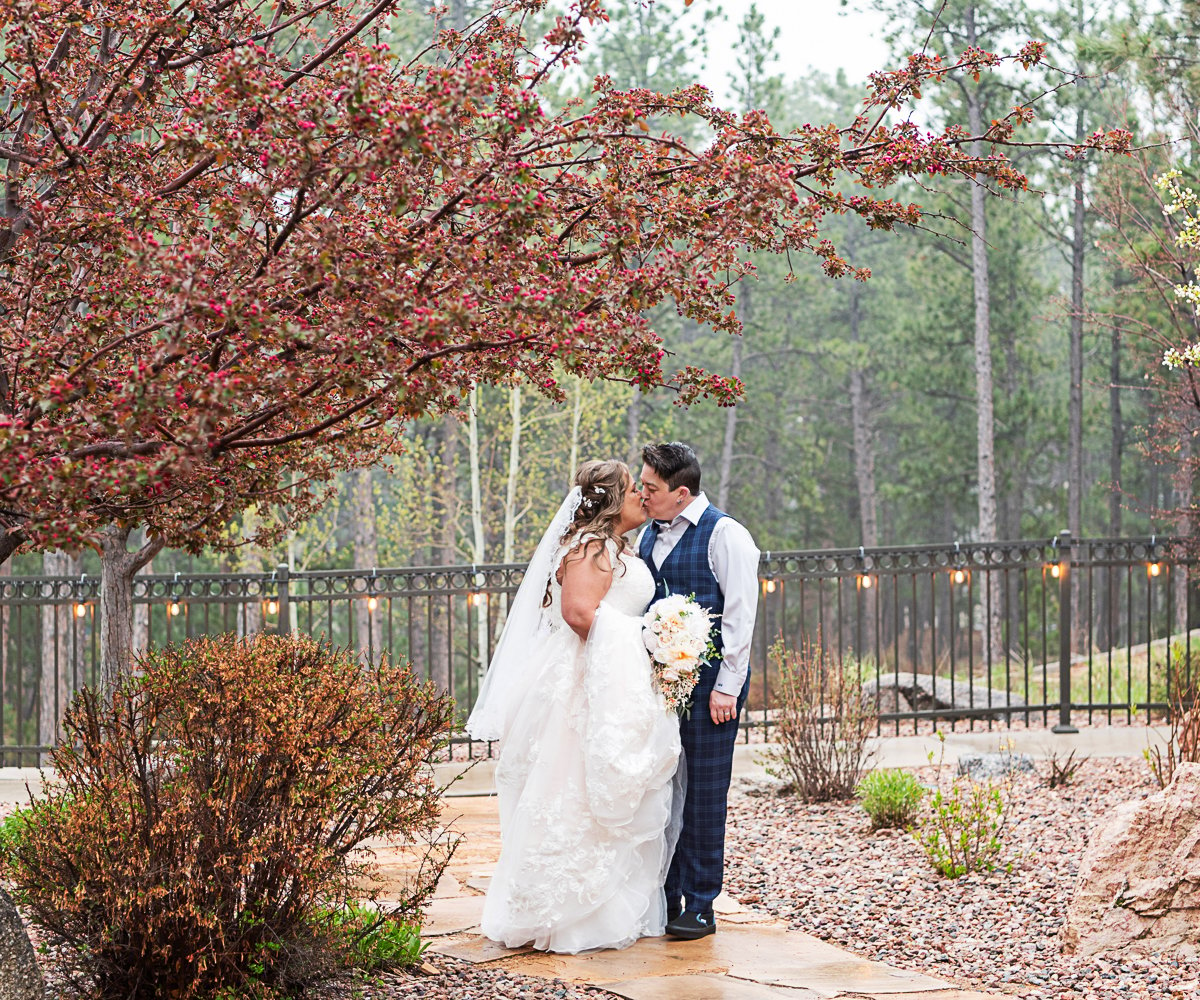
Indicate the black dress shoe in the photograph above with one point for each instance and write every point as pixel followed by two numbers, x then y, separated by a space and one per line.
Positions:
pixel 689 926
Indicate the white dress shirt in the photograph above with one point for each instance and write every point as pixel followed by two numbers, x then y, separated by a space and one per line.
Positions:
pixel 733 559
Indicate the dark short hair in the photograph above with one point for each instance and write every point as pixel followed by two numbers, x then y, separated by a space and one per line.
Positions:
pixel 676 463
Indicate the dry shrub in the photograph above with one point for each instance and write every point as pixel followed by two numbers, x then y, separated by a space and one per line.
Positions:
pixel 1183 740
pixel 210 816
pixel 822 723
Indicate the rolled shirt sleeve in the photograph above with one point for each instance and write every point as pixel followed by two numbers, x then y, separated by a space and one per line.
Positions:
pixel 733 559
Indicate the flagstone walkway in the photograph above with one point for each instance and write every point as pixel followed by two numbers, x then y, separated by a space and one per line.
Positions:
pixel 751 957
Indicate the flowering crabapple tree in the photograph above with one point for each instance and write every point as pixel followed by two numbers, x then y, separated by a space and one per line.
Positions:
pixel 243 241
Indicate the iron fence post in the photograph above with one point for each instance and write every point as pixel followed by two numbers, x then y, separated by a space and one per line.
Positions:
pixel 285 611
pixel 1064 635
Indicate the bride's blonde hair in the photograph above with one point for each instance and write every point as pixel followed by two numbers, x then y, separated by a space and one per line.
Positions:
pixel 602 484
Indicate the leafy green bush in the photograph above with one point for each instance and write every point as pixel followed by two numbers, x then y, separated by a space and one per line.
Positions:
pixel 891 798
pixel 961 829
pixel 375 940
pixel 212 808
pixel 12 832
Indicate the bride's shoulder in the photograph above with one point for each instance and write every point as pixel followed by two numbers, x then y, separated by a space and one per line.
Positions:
pixel 585 542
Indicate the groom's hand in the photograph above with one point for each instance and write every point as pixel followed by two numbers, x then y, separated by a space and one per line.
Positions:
pixel 722 707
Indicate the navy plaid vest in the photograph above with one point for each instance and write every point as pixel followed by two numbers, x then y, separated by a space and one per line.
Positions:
pixel 686 570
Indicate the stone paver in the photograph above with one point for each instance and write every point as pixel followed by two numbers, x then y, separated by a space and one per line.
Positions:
pixel 703 987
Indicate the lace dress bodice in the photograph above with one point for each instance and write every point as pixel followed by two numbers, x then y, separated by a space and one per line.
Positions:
pixel 632 586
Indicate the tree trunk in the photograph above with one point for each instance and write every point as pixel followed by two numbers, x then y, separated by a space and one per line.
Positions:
pixel 118 567
pixel 442 618
pixel 633 429
pixel 576 418
pixel 12 537
pixel 5 614
pixel 477 536
pixel 1116 448
pixel 1075 432
pixel 57 673
pixel 864 475
pixel 1183 527
pixel 864 435
pixel 514 472
pixel 478 550
pixel 984 405
pixel 141 620
pixel 366 556
pixel 731 414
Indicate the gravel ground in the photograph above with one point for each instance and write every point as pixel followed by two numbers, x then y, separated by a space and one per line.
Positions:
pixel 439 978
pixel 821 869
pixel 452 979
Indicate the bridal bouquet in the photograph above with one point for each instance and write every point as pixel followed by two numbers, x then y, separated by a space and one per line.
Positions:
pixel 677 633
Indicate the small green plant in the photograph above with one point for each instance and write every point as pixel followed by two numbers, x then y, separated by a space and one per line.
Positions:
pixel 376 940
pixel 13 829
pixel 1062 770
pixel 962 828
pixel 891 798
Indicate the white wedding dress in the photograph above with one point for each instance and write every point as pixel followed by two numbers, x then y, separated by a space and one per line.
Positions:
pixel 585 782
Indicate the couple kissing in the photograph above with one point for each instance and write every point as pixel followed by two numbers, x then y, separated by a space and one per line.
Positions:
pixel 612 807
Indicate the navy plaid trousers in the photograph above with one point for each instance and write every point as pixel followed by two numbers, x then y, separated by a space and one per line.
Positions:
pixel 698 864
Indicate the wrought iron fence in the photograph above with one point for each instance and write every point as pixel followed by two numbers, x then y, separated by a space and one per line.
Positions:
pixel 976 634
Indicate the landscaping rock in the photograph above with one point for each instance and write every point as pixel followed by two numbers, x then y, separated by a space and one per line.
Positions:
pixel 20 977
pixel 982 766
pixel 1139 879
pixel 909 692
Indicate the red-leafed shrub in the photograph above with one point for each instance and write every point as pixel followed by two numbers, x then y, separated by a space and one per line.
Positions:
pixel 210 816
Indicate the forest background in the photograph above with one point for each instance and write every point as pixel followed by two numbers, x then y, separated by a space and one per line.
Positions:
pixel 860 423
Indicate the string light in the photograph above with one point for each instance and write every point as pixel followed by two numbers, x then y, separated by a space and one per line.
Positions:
pixel 477 598
pixel 80 610
pixel 372 603
pixel 865 581
pixel 1055 570
pixel 959 575
pixel 272 607
pixel 174 608
pixel 769 586
pixel 1153 569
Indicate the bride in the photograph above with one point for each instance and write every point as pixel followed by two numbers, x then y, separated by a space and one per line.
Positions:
pixel 588 750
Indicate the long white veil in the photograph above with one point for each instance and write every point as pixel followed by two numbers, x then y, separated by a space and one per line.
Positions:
pixel 504 685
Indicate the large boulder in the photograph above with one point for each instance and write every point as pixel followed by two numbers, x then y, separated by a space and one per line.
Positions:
pixel 1139 880
pixel 911 692
pixel 20 977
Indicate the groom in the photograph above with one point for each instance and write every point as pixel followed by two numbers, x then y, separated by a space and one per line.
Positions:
pixel 693 548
